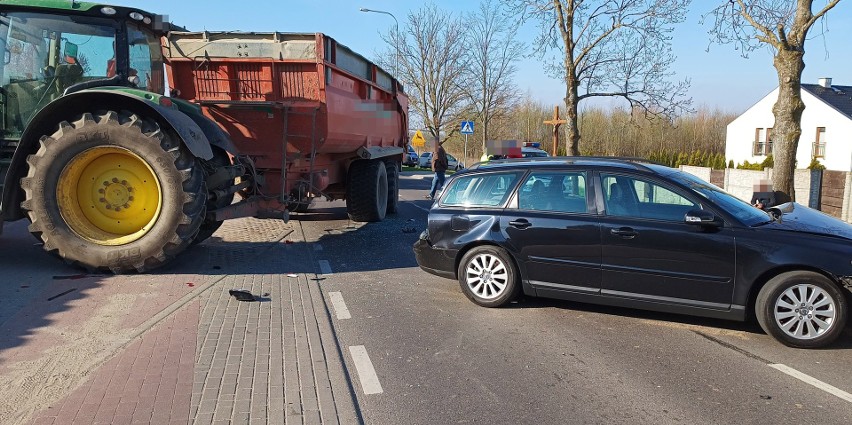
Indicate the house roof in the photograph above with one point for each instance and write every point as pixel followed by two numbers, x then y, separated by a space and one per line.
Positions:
pixel 838 97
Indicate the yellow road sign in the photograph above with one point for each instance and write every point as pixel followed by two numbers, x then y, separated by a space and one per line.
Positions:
pixel 418 141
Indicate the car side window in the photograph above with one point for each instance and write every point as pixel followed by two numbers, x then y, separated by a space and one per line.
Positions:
pixel 554 191
pixel 483 190
pixel 635 197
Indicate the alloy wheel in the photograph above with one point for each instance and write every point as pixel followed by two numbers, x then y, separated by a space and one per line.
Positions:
pixel 486 276
pixel 805 311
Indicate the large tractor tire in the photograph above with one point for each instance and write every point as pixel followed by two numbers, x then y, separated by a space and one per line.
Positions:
pixel 392 170
pixel 367 191
pixel 113 191
pixel 210 226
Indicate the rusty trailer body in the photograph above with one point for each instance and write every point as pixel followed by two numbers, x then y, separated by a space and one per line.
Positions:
pixel 300 107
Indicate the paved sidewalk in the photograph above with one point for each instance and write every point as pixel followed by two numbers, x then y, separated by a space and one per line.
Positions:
pixel 265 362
pixel 192 354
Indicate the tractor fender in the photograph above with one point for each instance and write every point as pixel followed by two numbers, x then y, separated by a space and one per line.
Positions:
pixel 189 131
pixel 69 107
pixel 214 133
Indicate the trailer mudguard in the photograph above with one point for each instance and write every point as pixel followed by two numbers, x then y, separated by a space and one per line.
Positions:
pixel 108 98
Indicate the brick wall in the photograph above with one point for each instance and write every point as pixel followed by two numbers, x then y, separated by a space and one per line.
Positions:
pixel 831 196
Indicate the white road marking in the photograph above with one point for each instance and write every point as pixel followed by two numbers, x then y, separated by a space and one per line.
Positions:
pixel 366 373
pixel 812 381
pixel 317 247
pixel 418 206
pixel 339 305
pixel 411 202
pixel 325 267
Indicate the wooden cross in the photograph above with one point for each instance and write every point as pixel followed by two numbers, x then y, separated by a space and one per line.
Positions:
pixel 555 122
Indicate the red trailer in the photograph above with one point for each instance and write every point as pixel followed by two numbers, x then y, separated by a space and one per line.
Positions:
pixel 307 116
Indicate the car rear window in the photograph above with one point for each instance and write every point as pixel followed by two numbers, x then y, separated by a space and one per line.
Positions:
pixel 480 190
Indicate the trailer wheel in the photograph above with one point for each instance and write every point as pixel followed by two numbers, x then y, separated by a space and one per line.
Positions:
pixel 113 191
pixel 367 191
pixel 209 226
pixel 392 170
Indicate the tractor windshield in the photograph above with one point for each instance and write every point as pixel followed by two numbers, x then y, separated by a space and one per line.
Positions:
pixel 45 54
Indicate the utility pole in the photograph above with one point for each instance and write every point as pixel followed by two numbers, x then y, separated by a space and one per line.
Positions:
pixel 556 123
pixel 396 23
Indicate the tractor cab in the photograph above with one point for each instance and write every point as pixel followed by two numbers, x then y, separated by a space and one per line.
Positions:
pixel 50 52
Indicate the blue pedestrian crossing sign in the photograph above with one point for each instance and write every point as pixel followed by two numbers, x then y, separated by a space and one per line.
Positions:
pixel 467 127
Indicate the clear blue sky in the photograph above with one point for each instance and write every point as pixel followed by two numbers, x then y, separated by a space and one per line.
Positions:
pixel 720 78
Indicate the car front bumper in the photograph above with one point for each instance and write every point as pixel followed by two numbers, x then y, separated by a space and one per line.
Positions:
pixel 439 262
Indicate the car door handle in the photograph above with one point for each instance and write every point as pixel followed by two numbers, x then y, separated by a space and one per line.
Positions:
pixel 520 223
pixel 624 232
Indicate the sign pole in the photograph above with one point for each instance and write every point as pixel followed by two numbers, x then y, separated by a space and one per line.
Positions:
pixel 465 150
pixel 466 129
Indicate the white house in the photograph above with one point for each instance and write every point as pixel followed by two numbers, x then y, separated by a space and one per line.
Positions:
pixel 826 128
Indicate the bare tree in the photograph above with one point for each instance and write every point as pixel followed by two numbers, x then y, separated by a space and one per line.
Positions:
pixel 431 63
pixel 611 48
pixel 782 25
pixel 492 52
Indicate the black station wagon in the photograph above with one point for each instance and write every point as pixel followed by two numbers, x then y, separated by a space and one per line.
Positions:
pixel 626 233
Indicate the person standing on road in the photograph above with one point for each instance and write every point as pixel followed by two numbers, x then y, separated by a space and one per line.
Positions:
pixel 439 166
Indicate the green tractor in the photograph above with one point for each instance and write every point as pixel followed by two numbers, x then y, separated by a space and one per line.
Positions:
pixel 111 173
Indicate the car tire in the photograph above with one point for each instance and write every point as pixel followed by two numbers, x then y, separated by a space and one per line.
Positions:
pixel 802 309
pixel 488 276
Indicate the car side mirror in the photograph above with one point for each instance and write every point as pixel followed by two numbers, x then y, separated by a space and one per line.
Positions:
pixel 71 51
pixel 702 218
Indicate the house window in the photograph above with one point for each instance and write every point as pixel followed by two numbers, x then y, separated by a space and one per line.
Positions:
pixel 762 141
pixel 819 144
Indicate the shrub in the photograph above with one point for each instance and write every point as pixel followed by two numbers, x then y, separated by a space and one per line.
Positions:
pixel 816 165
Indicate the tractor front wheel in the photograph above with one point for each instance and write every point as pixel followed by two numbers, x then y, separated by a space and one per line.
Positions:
pixel 113 191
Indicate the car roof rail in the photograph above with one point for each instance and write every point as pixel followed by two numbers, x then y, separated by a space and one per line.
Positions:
pixel 637 162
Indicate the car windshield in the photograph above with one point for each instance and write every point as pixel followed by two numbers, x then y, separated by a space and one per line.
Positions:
pixel 740 209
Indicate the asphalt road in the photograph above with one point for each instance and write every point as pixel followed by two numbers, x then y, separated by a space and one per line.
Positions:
pixel 416 351
pixel 438 358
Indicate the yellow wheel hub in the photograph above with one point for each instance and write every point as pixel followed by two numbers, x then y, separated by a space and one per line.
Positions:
pixel 109 196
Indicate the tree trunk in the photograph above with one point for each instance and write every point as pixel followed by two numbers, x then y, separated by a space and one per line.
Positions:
pixel 788 118
pixel 572 129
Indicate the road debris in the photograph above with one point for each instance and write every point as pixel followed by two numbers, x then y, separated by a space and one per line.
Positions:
pixel 241 295
pixel 61 294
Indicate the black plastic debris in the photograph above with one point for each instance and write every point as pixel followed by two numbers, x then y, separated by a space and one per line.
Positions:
pixel 62 294
pixel 241 295
pixel 70 277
